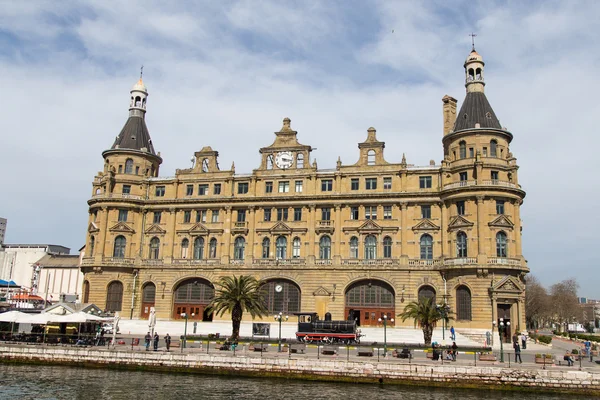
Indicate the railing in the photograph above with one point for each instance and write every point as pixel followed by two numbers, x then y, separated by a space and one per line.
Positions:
pixel 117 196
pixel 194 261
pixel 326 223
pixel 240 225
pixel 454 185
pixel 279 261
pixel 460 261
pixel 236 262
pixel 118 261
pixel 424 263
pixel 486 182
pixel 87 261
pixel 496 182
pixel 322 262
pixel 504 261
pixel 152 261
pixel 370 261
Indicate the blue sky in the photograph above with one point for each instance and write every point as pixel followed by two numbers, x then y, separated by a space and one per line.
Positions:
pixel 226 73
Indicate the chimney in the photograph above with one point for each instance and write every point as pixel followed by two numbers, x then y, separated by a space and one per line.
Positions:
pixel 449 113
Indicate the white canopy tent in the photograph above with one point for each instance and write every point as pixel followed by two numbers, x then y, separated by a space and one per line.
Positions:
pixel 46 318
pixel 11 316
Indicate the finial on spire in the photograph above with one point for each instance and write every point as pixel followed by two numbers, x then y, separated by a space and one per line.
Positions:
pixel 141 72
pixel 473 35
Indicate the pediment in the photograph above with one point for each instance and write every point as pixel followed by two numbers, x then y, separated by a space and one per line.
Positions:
pixel 198 229
pixel 121 227
pixel 459 222
pixel 502 222
pixel 156 229
pixel 321 291
pixel 508 284
pixel 92 227
pixel 425 225
pixel 280 227
pixel 369 226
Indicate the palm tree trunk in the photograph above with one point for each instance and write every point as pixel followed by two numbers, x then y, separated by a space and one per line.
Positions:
pixel 427 333
pixel 236 320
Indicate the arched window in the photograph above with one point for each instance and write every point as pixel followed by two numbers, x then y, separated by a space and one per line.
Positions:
pixel 493 148
pixel 199 248
pixel 281 248
pixel 212 248
pixel 119 249
pixel 154 248
pixel 138 101
pixel 501 244
pixel 471 74
pixel 463 303
pixel 300 161
pixel 325 248
pixel 149 293
pixel 462 150
pixel 296 244
pixel 185 245
pixel 238 248
pixel 426 292
pixel 129 166
pixel 205 165
pixel 269 162
pixel 281 296
pixel 461 244
pixel 370 247
pixel 353 247
pixel 92 245
pixel 478 74
pixel 266 248
pixel 426 247
pixel 387 247
pixel 86 292
pixel 371 157
pixel 114 296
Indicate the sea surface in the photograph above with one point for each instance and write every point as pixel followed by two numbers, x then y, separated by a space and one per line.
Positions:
pixel 57 382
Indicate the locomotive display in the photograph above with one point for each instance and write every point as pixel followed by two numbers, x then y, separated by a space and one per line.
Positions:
pixel 312 329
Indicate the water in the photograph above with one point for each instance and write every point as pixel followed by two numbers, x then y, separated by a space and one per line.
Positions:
pixel 55 382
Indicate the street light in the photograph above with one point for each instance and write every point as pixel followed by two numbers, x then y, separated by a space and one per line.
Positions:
pixel 443 309
pixel 184 342
pixel 279 318
pixel 501 329
pixel 385 318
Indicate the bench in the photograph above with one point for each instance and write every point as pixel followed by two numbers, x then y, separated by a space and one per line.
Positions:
pixel 404 353
pixel 262 347
pixel 297 347
pixel 329 350
pixel 365 353
pixel 487 357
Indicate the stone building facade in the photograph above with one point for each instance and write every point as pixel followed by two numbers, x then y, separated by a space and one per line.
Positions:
pixel 359 241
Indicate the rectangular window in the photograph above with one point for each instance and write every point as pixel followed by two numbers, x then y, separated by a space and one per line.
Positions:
pixel 242 187
pixel 267 214
pixel 268 187
pixel 326 214
pixel 217 188
pixel 122 215
pixel 485 151
pixel 298 186
pixel 353 212
pixel 370 183
pixel 494 175
pixel 387 183
pixel 387 212
pixel 460 207
pixel 187 217
pixel 157 216
pixel 298 214
pixel 326 185
pixel 426 211
pixel 126 189
pixel 425 182
pixel 202 190
pixel 201 216
pixel 189 190
pixel 282 214
pixel 137 170
pixel 160 191
pixel 354 184
pixel 471 152
pixel 371 212
pixel 215 216
pixel 241 216
pixel 499 206
pixel 284 187
pixel 463 176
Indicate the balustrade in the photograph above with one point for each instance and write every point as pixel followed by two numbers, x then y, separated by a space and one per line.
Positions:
pixel 504 260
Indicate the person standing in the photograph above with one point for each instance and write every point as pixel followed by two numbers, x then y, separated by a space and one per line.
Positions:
pixel 156 339
pixel 454 351
pixel 524 341
pixel 452 333
pixel 168 341
pixel 518 353
pixel 147 339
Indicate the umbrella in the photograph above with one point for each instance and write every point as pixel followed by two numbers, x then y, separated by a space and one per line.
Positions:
pixel 152 320
pixel 39 319
pixel 11 316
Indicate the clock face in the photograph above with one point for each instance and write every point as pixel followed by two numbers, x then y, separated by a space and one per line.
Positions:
pixel 278 288
pixel 284 159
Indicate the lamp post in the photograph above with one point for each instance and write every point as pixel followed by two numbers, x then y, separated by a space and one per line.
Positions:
pixel 184 342
pixel 501 329
pixel 279 318
pixel 443 310
pixel 385 318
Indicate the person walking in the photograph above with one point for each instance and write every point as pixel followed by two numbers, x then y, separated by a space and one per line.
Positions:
pixel 518 353
pixel 168 341
pixel 147 339
pixel 454 351
pixel 452 333
pixel 156 339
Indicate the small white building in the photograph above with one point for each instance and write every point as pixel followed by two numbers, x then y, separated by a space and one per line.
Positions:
pixel 17 261
pixel 57 277
pixel 3 222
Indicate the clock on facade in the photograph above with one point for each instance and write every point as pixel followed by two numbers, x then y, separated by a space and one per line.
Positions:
pixel 278 288
pixel 284 159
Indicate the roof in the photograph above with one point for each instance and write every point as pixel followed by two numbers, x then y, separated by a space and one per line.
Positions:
pixel 59 261
pixel 73 307
pixel 134 136
pixel 476 109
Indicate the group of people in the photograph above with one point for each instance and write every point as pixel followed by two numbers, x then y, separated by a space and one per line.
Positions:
pixel 154 340
pixel 451 352
pixel 518 347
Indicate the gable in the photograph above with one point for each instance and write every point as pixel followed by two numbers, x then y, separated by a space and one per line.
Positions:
pixel 121 227
pixel 92 227
pixel 508 284
pixel 459 222
pixel 198 229
pixel 280 227
pixel 156 229
pixel 369 226
pixel 425 225
pixel 321 291
pixel 502 222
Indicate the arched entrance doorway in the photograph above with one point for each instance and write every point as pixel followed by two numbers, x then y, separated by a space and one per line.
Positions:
pixel 148 296
pixel 281 295
pixel 114 296
pixel 368 300
pixel 191 297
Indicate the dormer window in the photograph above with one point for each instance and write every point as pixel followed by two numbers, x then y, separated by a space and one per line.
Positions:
pixel 205 165
pixel 371 157
pixel 300 161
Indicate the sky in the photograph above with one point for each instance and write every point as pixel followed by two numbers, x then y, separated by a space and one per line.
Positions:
pixel 225 73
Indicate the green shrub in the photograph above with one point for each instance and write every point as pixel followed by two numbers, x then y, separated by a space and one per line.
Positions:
pixel 545 339
pixel 574 351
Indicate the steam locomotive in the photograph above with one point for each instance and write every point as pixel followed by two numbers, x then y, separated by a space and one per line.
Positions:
pixel 313 330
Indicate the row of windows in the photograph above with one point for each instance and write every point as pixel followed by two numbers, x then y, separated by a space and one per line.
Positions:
pixel 462 150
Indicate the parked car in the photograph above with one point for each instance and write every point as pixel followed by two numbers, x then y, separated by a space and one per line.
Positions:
pixel 108 328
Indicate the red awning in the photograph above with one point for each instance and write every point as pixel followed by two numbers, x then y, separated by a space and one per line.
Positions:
pixel 27 297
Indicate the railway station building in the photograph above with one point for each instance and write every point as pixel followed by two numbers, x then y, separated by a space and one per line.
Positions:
pixel 358 241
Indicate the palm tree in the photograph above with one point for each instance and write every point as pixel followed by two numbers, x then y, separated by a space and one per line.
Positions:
pixel 236 295
pixel 426 314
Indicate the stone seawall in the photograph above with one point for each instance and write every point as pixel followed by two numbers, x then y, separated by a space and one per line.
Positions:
pixel 480 377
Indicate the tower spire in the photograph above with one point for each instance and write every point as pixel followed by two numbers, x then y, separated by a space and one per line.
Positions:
pixel 473 35
pixel 141 72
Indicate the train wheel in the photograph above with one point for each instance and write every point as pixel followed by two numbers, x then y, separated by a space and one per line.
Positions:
pixel 307 339
pixel 327 340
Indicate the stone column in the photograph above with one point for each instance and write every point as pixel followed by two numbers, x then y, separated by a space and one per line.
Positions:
pixel 169 254
pixel 226 249
pixel 517 222
pixel 404 228
pixel 103 234
pixel 251 234
pixel 310 253
pixel 480 224
pixel 337 234
pixel 444 229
